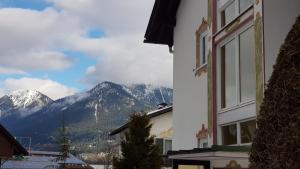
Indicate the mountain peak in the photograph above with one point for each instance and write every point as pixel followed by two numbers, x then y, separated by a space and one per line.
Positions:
pixel 27 101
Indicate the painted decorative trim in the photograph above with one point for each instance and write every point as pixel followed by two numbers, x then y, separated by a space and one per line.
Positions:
pixel 203 133
pixel 233 165
pixel 210 94
pixel 258 28
pixel 200 68
pixel 209 13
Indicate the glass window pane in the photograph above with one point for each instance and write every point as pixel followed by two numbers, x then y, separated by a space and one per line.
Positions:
pixel 160 143
pixel 168 146
pixel 244 4
pixel 247 131
pixel 228 75
pixel 228 14
pixel 204 49
pixel 247 65
pixel 229 134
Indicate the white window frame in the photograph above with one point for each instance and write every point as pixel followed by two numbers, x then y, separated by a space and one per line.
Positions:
pixel 164 144
pixel 236 14
pixel 239 103
pixel 238 130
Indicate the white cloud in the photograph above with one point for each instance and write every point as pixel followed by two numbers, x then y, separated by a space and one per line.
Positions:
pixel 114 16
pixel 4 70
pixel 32 40
pixel 52 89
pixel 128 60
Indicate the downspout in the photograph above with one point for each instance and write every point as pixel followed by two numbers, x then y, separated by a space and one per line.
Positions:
pixel 171 50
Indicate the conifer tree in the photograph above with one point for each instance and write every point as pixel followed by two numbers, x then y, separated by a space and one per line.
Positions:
pixel 64 145
pixel 276 144
pixel 138 148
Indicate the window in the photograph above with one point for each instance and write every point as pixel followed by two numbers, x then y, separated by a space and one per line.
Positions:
pixel 229 134
pixel 247 65
pixel 202 143
pixel 247 131
pixel 160 143
pixel 201 48
pixel 230 9
pixel 168 146
pixel 237 69
pixel 238 133
pixel 204 52
pixel 164 145
pixel 228 74
pixel 228 14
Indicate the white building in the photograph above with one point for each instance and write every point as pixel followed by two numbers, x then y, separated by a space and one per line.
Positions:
pixel 162 128
pixel 223 51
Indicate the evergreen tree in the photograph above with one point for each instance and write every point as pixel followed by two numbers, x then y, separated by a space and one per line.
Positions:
pixel 138 148
pixel 276 144
pixel 64 145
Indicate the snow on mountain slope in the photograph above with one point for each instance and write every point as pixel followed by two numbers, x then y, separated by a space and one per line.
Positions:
pixel 23 103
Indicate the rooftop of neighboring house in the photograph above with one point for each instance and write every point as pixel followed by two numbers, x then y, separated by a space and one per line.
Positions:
pixel 151 114
pixel 42 159
pixel 15 147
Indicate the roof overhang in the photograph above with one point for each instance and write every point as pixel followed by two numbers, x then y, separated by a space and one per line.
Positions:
pixel 160 29
pixel 210 156
pixel 216 152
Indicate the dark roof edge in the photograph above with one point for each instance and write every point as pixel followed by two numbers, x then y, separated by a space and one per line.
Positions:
pixel 21 150
pixel 150 115
pixel 214 148
pixel 162 21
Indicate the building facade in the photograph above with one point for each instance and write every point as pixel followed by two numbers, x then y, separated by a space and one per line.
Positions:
pixel 224 51
pixel 162 129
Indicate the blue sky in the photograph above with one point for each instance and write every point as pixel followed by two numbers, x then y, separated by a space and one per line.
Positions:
pixel 27 4
pixel 71 76
pixel 60 47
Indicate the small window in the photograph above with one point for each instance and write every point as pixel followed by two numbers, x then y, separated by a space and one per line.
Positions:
pixel 204 48
pixel 164 145
pixel 160 143
pixel 228 14
pixel 230 9
pixel 244 4
pixel 202 143
pixel 229 134
pixel 201 48
pixel 168 146
pixel 247 131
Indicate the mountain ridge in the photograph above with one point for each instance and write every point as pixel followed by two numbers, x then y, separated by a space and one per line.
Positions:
pixel 89 114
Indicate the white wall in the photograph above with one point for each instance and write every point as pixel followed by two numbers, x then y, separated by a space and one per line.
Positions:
pixel 161 124
pixel 279 16
pixel 190 92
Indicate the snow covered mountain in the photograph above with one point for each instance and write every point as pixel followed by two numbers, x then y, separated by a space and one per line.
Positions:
pixel 22 103
pixel 88 114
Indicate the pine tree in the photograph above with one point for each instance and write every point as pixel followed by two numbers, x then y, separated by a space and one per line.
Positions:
pixel 138 148
pixel 276 144
pixel 64 145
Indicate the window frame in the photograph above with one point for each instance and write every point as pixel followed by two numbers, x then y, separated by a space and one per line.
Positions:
pixel 164 144
pixel 202 64
pixel 201 32
pixel 238 12
pixel 233 37
pixel 238 129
